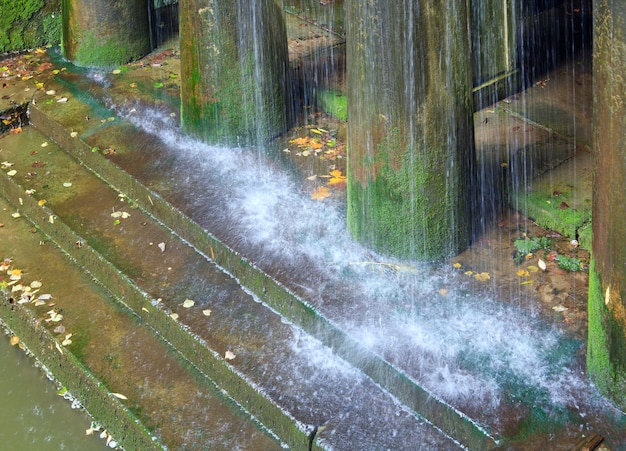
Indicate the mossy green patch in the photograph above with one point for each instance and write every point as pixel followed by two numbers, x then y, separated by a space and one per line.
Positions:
pixel 95 50
pixel 405 209
pixel 334 102
pixel 606 345
pixel 552 212
pixel 27 24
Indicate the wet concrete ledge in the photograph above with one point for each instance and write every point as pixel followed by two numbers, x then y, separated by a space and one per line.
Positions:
pixel 443 416
pixel 206 361
pixel 73 375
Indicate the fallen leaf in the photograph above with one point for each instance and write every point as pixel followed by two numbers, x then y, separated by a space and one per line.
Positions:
pixel 15 131
pixel 559 308
pixel 443 292
pixel 161 246
pixel 60 329
pixel 320 193
pixel 542 265
pixel 12 172
pixel 456 265
pixel 56 317
pixel 229 355
pixel 119 395
pixel 14 340
pixel 206 312
pixel 482 277
pixel 188 303
pixel 174 316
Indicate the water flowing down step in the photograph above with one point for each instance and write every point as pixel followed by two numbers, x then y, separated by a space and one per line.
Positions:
pixel 474 366
pixel 252 353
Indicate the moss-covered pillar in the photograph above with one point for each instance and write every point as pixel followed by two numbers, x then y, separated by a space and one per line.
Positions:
pixel 410 133
pixel 234 70
pixel 606 351
pixel 105 32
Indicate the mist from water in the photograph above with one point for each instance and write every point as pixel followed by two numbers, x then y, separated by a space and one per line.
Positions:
pixel 469 349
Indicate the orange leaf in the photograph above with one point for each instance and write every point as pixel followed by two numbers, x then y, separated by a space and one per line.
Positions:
pixel 320 193
pixel 15 131
pixel 300 141
pixel 337 181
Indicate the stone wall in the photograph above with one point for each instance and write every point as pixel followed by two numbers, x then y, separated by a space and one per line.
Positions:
pixel 26 24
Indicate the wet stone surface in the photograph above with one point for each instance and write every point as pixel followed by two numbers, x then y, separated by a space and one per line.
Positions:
pixel 493 267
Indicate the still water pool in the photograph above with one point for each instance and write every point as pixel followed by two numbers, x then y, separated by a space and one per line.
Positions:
pixel 32 415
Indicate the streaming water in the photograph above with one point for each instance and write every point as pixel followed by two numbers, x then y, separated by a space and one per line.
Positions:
pixel 497 360
pixel 482 354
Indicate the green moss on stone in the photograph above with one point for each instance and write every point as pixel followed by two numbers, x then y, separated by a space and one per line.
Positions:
pixel 549 212
pixel 606 345
pixel 27 24
pixel 405 211
pixel 96 50
pixel 334 102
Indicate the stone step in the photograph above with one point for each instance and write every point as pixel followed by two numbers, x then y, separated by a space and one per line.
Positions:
pixel 111 349
pixel 140 177
pixel 275 373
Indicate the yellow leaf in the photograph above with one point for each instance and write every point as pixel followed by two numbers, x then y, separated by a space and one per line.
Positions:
pixel 320 193
pixel 469 273
pixel 456 265
pixel 523 273
pixel 482 277
pixel 42 202
pixel 443 292
pixel 14 340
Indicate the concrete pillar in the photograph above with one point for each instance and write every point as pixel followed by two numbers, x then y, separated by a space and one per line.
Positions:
pixel 235 83
pixel 606 352
pixel 410 131
pixel 104 32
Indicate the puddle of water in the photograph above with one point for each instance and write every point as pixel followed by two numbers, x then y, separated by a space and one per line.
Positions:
pixel 33 415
